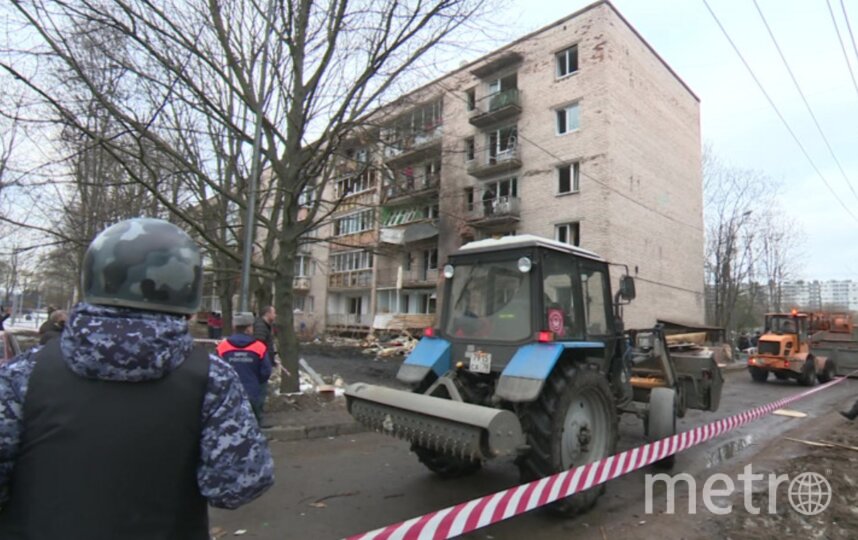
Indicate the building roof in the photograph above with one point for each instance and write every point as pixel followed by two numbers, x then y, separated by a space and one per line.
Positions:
pixel 525 240
pixel 474 65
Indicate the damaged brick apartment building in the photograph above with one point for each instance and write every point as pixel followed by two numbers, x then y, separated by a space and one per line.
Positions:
pixel 578 132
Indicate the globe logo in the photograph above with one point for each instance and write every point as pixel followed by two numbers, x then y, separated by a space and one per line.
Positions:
pixel 809 493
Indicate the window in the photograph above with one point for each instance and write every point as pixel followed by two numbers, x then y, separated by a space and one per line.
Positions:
pixel 471 98
pixel 567 61
pixel 307 196
pixel 303 266
pixel 558 296
pixel 353 185
pixel 469 198
pixel 470 149
pixel 402 216
pixel 568 233
pixel 596 303
pixel 567 119
pixel 350 261
pixel 430 259
pixel 567 178
pixel 303 303
pixel 354 223
pixel 502 141
pixel 502 188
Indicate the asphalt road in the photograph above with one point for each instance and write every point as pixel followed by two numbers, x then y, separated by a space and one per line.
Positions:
pixel 332 488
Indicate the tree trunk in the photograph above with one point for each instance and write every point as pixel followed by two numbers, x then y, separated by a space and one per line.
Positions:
pixel 287 340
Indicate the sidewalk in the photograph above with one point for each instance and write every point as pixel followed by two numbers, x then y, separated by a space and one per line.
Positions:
pixel 316 421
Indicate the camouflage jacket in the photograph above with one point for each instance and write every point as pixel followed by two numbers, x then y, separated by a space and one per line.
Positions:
pixel 235 462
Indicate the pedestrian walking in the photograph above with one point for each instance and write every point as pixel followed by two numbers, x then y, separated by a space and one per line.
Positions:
pixel 47 324
pixel 121 428
pixel 263 329
pixel 250 359
pixel 56 324
pixel 215 325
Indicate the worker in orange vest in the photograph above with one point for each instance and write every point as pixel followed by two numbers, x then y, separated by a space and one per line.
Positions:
pixel 250 359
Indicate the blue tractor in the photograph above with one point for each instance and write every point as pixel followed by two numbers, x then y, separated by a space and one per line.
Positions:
pixel 531 361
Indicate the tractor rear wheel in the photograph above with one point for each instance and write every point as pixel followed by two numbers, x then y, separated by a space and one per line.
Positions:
pixel 828 372
pixel 758 374
pixel 573 423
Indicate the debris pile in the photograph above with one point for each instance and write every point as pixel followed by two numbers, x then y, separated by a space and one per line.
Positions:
pixel 395 346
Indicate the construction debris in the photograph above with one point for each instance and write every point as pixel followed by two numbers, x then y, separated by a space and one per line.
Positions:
pixel 789 413
pixel 400 345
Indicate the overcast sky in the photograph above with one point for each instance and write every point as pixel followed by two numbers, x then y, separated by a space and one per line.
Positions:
pixel 736 118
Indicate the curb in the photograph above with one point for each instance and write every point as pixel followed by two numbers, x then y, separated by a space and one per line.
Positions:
pixel 298 433
pixel 734 366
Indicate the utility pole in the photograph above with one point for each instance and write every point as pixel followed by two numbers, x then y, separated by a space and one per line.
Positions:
pixel 244 300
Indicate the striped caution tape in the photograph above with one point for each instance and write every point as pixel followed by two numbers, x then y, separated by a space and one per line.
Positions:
pixel 483 511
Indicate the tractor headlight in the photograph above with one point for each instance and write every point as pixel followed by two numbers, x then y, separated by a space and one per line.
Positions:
pixel 524 265
pixel 449 271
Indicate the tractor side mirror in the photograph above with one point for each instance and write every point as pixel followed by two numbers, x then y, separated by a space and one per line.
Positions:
pixel 627 288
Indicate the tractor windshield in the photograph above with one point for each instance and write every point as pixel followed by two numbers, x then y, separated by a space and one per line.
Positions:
pixel 490 301
pixel 783 324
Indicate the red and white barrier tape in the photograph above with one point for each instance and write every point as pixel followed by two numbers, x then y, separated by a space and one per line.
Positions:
pixel 483 511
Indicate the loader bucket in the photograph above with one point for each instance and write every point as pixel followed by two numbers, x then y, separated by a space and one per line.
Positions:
pixel 453 428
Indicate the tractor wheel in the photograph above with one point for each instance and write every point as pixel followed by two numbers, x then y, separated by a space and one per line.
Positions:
pixel 828 372
pixel 661 420
pixel 444 466
pixel 758 374
pixel 573 422
pixel 808 373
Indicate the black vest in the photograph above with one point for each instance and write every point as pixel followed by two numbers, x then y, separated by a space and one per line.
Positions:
pixel 105 460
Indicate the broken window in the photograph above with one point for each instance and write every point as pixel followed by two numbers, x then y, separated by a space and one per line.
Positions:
pixel 567 61
pixel 568 233
pixel 567 178
pixel 567 119
pixel 471 97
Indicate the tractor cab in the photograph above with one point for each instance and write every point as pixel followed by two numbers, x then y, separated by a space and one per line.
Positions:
pixel 784 333
pixel 502 294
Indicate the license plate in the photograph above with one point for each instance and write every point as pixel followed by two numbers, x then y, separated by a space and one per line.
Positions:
pixel 481 362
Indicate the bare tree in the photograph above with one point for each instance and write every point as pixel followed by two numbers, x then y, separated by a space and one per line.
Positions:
pixel 307 73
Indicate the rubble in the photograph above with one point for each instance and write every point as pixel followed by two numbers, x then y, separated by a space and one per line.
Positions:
pixel 400 345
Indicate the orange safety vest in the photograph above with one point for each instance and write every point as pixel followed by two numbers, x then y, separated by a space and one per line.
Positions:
pixel 256 347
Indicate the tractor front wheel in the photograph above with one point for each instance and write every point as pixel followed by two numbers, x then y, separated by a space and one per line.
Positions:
pixel 758 375
pixel 828 372
pixel 808 372
pixel 573 423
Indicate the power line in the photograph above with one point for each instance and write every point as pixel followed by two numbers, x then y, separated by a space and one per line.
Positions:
pixel 804 98
pixel 840 40
pixel 777 111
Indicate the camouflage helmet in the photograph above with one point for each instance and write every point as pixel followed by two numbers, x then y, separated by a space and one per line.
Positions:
pixel 144 263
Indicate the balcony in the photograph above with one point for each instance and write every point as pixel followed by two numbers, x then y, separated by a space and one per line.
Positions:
pixel 362 320
pixel 301 283
pixel 414 147
pixel 407 188
pixel 495 212
pixel 401 278
pixel 355 279
pixel 409 233
pixel 489 162
pixel 495 108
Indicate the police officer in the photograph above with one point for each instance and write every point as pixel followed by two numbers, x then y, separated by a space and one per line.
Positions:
pixel 121 428
pixel 250 358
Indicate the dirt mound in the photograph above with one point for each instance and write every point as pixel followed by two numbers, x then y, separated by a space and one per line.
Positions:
pixel 839 465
